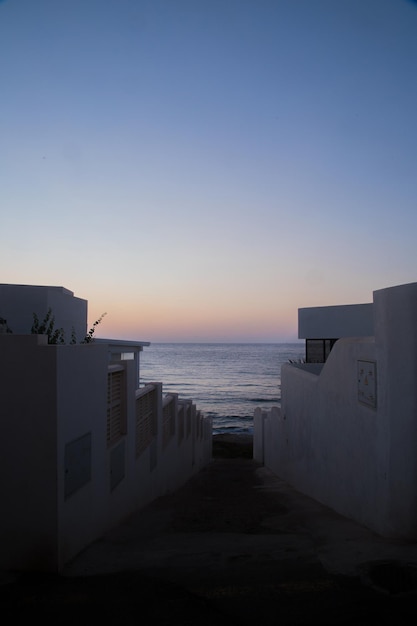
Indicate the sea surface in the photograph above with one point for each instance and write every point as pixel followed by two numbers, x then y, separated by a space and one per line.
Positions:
pixel 225 381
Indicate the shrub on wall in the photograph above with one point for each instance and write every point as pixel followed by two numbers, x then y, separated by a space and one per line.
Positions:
pixel 47 327
pixel 57 335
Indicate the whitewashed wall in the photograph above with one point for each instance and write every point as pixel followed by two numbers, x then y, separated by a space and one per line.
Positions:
pixel 18 303
pixel 54 420
pixel 360 460
pixel 350 320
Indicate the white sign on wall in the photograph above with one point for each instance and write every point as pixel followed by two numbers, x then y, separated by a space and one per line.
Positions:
pixel 367 383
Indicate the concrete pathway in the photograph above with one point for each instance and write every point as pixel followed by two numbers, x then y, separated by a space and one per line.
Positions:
pixel 235 545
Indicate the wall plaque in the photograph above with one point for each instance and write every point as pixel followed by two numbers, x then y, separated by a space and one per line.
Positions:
pixel 367 383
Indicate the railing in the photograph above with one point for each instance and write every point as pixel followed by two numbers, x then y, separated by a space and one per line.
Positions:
pixel 168 419
pixel 181 421
pixel 146 417
pixel 178 415
pixel 199 430
pixel 187 410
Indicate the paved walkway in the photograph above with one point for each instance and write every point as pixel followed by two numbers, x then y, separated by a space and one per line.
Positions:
pixel 236 546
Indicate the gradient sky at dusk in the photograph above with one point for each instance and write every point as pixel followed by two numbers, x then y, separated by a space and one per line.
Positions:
pixel 200 169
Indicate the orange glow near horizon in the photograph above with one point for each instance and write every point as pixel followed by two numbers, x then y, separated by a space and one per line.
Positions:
pixel 150 322
pixel 208 182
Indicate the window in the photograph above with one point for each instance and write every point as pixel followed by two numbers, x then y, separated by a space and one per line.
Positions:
pixel 318 350
pixel 116 414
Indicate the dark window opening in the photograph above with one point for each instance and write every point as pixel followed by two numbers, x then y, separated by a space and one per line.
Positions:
pixel 318 350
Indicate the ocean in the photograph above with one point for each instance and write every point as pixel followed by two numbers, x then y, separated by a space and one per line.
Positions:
pixel 225 381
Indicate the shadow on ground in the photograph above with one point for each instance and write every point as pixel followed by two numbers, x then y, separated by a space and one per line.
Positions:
pixel 223 550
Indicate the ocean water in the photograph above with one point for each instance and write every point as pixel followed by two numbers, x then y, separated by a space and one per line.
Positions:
pixel 225 381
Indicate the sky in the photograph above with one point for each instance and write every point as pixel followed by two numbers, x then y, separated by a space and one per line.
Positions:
pixel 200 169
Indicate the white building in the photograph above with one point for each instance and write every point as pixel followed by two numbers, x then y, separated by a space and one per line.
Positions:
pixel 19 303
pixel 83 445
pixel 346 431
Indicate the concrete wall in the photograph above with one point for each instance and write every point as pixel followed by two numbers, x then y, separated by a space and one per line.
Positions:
pixel 58 488
pixel 28 455
pixel 347 435
pixel 81 384
pixel 396 342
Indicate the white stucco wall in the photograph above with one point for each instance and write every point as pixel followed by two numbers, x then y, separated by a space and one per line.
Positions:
pixel 359 459
pixel 55 396
pixel 18 303
pixel 28 454
pixel 350 320
pixel 396 341
pixel 81 387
